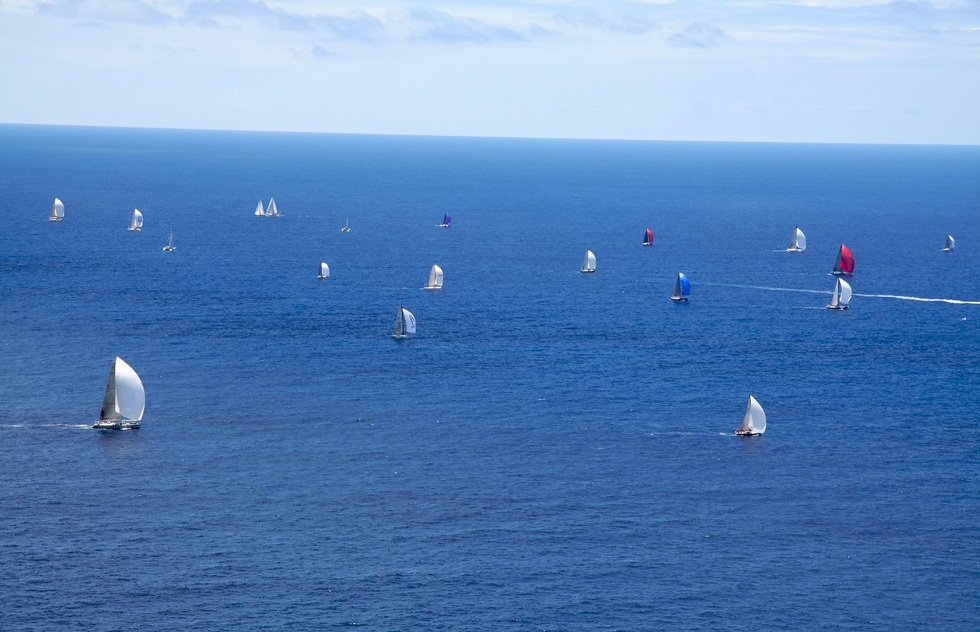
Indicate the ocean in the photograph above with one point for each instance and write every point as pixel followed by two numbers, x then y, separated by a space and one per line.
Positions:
pixel 552 450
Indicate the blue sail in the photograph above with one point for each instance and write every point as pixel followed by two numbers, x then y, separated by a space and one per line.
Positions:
pixel 685 284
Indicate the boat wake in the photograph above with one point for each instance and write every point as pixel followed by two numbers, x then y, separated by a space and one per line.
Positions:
pixel 951 301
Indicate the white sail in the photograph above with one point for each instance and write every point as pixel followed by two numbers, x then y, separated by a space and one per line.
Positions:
pixel 259 209
pixel 324 271
pixel 842 295
pixel 798 243
pixel 950 242
pixel 409 319
pixel 589 264
pixel 137 222
pixel 124 400
pixel 755 419
pixel 57 211
pixel 272 210
pixel 170 247
pixel 404 323
pixel 346 228
pixel 435 279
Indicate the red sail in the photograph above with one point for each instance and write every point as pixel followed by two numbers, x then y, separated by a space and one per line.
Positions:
pixel 845 260
pixel 648 238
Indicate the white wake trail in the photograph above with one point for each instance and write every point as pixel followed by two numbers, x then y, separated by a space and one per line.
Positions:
pixel 951 301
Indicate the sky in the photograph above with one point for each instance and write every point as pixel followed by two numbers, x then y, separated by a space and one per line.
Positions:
pixel 835 71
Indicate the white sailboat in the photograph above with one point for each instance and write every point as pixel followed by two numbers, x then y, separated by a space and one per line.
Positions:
pixel 755 420
pixel 798 243
pixel 260 210
pixel 435 279
pixel 950 242
pixel 346 228
pixel 57 211
pixel 170 247
pixel 842 295
pixel 124 400
pixel 404 324
pixel 324 271
pixel 272 210
pixel 589 264
pixel 137 222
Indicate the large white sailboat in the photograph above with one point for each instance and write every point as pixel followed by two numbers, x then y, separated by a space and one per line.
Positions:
pixel 755 420
pixel 404 324
pixel 57 211
pixel 589 264
pixel 842 295
pixel 798 243
pixel 124 400
pixel 324 271
pixel 435 279
pixel 136 223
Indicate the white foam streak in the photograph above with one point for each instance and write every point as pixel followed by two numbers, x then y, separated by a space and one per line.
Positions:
pixel 951 301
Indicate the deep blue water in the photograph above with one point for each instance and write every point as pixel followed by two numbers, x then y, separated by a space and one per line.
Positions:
pixel 553 451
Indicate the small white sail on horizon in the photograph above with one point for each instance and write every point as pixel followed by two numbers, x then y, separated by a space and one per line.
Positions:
pixel 798 243
pixel 170 247
pixel 260 209
pixel 589 264
pixel 57 211
pixel 136 223
pixel 842 295
pixel 324 271
pixel 754 422
pixel 124 400
pixel 404 324
pixel 271 210
pixel 346 228
pixel 435 279
pixel 950 244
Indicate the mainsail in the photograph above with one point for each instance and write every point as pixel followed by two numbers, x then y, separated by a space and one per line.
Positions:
pixel 57 211
pixel 435 278
pixel 798 243
pixel 845 261
pixel 124 399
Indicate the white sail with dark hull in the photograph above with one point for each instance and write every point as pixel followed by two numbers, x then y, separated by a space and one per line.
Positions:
pixel 589 264
pixel 124 400
pixel 754 422
pixel 57 211
pixel 842 295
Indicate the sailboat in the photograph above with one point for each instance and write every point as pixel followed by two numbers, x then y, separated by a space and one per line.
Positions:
pixel 589 264
pixel 137 222
pixel 346 228
pixel 170 247
pixel 950 242
pixel 435 279
pixel 57 211
pixel 845 261
pixel 124 401
pixel 755 420
pixel 260 210
pixel 682 289
pixel 842 295
pixel 447 221
pixel 324 271
pixel 272 210
pixel 648 238
pixel 798 243
pixel 404 324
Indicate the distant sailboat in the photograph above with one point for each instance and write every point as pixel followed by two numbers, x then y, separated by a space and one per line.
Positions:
pixel 124 400
pixel 404 324
pixel 435 279
pixel 170 247
pixel 272 210
pixel 447 221
pixel 57 211
pixel 324 271
pixel 589 264
pixel 260 210
pixel 842 295
pixel 682 289
pixel 346 228
pixel 845 261
pixel 950 242
pixel 137 222
pixel 798 244
pixel 648 238
pixel 755 419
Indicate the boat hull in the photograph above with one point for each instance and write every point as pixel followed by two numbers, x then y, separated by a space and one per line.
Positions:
pixel 679 299
pixel 791 249
pixel 837 307
pixel 117 425
pixel 747 433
